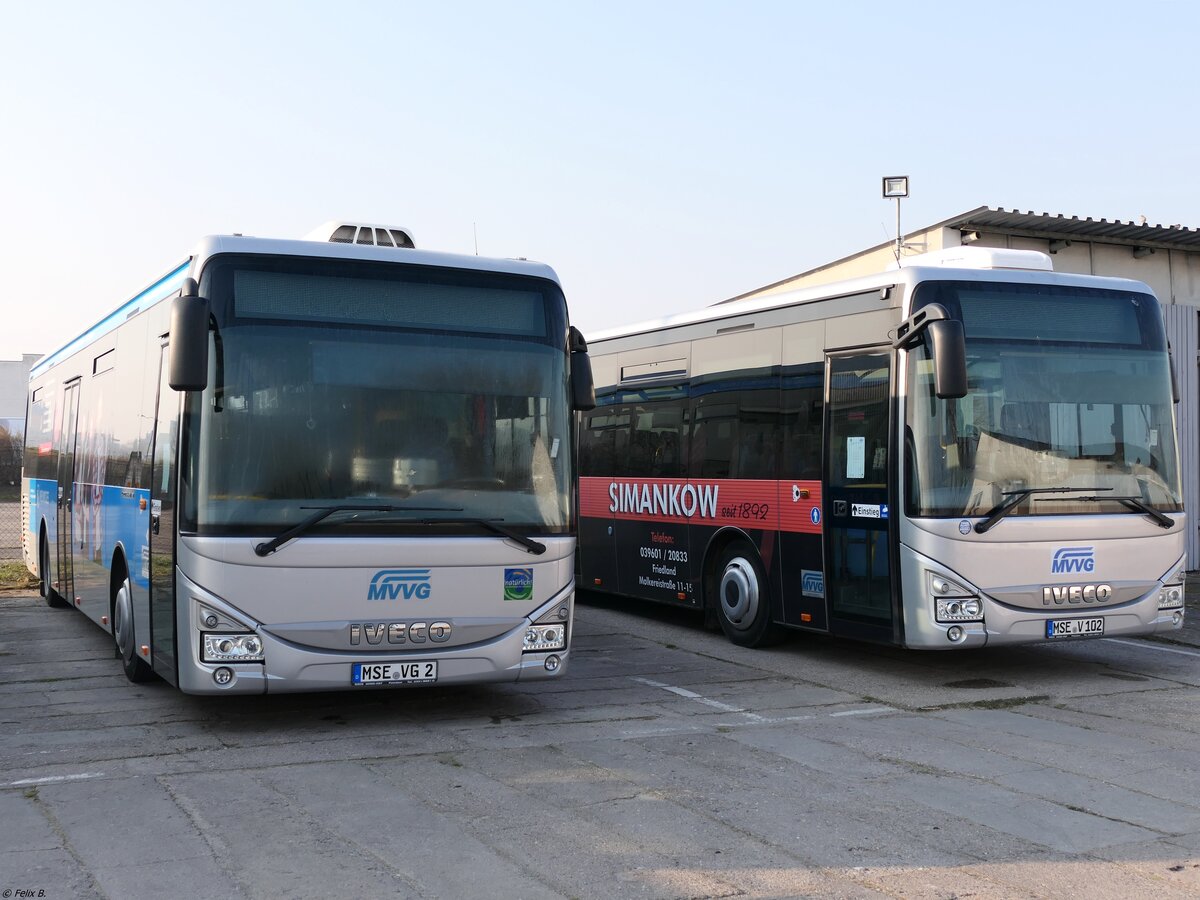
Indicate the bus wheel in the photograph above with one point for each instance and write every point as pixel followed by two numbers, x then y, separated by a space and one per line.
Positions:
pixel 742 599
pixel 48 593
pixel 136 669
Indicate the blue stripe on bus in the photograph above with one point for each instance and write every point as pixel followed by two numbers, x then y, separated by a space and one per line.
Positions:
pixel 165 286
pixel 105 515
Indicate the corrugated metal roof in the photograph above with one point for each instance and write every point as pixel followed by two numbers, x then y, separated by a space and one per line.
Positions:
pixel 1046 225
pixel 1035 225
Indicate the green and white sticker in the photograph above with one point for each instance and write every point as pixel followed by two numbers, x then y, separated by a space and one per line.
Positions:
pixel 518 584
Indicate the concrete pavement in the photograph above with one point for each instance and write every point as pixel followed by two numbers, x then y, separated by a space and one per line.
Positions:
pixel 668 763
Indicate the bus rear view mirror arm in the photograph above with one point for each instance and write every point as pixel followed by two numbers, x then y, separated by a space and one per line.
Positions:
pixel 189 339
pixel 583 388
pixel 947 346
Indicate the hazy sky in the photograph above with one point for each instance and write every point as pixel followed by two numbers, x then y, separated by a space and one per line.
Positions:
pixel 660 156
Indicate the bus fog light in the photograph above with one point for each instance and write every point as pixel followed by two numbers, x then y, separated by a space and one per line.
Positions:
pixel 231 648
pixel 552 663
pixel 955 633
pixel 1177 619
pixel 1171 597
pixel 545 637
pixel 959 609
pixel 223 675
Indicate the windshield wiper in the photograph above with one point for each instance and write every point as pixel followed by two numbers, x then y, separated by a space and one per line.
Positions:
pixel 535 547
pixel 1013 499
pixel 1137 504
pixel 323 512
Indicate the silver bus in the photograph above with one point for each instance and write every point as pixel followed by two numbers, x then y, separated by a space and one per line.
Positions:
pixel 321 464
pixel 967 450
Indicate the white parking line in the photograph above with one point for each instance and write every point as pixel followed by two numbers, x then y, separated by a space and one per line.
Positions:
pixel 1146 645
pixel 54 779
pixel 692 695
pixel 754 717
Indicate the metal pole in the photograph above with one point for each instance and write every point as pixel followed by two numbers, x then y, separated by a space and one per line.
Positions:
pixel 899 239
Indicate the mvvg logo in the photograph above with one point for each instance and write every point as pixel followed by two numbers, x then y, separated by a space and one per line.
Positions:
pixel 1073 559
pixel 812 584
pixel 400 584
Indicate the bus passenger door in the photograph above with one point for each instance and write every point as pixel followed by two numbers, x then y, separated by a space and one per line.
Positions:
pixel 598 432
pixel 857 519
pixel 163 479
pixel 65 584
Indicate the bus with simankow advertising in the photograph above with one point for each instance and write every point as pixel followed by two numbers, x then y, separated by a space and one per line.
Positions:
pixel 968 450
pixel 321 464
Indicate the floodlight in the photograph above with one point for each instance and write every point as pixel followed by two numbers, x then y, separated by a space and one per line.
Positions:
pixel 896 186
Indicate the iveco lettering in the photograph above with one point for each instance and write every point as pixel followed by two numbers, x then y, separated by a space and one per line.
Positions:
pixel 969 449
pixel 333 463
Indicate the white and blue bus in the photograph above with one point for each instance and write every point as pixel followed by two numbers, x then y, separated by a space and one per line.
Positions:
pixel 331 463
pixel 971 450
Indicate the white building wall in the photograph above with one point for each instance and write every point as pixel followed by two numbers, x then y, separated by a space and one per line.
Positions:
pixel 14 385
pixel 1183 331
pixel 1173 275
pixel 1185 277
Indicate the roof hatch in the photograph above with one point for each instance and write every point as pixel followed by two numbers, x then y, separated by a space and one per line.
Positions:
pixel 980 258
pixel 359 233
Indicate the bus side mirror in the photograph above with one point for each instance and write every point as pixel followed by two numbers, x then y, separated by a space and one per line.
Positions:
pixel 583 388
pixel 189 340
pixel 948 347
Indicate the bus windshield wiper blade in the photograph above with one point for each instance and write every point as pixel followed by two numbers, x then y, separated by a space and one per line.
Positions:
pixel 535 547
pixel 1014 498
pixel 1137 504
pixel 323 512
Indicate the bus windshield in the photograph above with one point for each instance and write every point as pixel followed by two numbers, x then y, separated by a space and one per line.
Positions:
pixel 429 399
pixel 1068 388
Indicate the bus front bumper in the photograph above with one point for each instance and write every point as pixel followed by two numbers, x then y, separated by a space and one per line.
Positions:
pixel 1006 626
pixel 291 669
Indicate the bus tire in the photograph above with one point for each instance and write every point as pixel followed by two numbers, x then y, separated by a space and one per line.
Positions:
pixel 136 669
pixel 49 594
pixel 741 597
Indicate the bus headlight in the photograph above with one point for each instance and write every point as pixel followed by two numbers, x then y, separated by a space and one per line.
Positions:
pixel 545 637
pixel 231 648
pixel 1171 596
pixel 952 602
pixel 959 609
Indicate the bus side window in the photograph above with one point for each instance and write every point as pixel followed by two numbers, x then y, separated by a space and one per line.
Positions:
pixel 712 443
pixel 598 440
pixel 597 443
pixel 803 418
pixel 658 439
pixel 39 431
pixel 621 442
pixel 758 436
